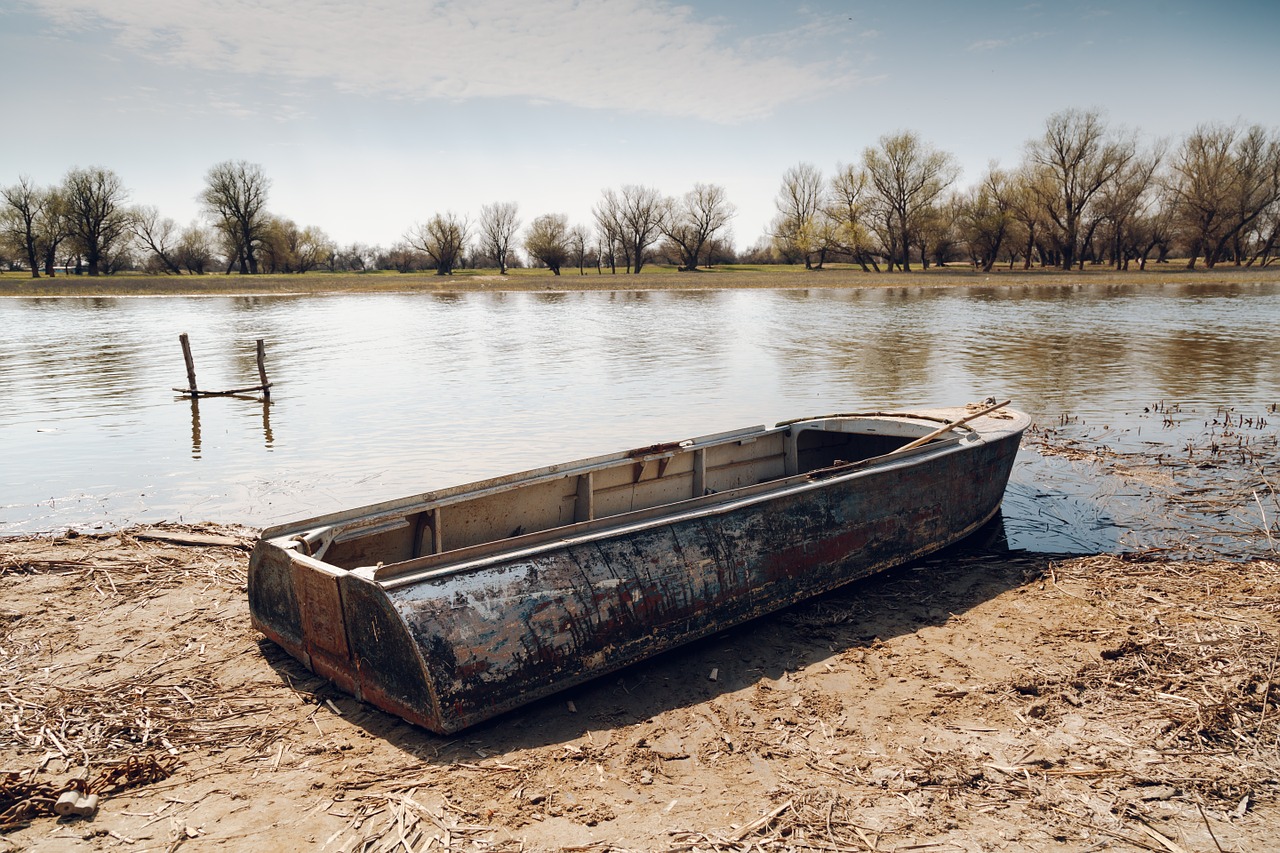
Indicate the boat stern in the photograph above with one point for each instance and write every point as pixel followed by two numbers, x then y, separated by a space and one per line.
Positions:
pixel 341 627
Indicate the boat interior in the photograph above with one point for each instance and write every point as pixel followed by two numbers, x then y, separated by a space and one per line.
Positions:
pixel 590 492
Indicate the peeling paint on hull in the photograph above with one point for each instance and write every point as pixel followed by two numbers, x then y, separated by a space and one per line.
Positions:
pixel 447 643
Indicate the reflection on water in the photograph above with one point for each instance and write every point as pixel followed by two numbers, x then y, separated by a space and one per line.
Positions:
pixel 381 395
pixel 195 427
pixel 268 439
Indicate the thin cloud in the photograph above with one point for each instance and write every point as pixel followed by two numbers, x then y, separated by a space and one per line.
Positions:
pixel 997 44
pixel 632 55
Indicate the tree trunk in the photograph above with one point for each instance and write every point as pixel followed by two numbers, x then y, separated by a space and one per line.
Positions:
pixel 1195 252
pixel 1068 258
pixel 33 260
pixel 1265 252
pixel 906 244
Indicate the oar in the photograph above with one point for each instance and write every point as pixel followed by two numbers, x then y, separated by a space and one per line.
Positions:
pixel 845 467
pixel 940 430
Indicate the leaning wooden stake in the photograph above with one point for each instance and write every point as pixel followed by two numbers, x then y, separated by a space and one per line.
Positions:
pixel 191 364
pixel 262 368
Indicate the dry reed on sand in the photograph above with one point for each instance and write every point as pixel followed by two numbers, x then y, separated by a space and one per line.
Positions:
pixel 87 703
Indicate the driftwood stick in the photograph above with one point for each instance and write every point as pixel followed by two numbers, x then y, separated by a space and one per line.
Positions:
pixel 925 439
pixel 230 392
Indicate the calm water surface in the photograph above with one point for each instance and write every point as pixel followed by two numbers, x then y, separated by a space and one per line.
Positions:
pixel 381 395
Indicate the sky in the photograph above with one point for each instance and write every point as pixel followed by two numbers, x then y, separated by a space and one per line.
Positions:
pixel 370 117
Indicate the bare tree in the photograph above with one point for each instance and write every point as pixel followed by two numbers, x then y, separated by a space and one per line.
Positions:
pixel 1075 158
pixel 800 202
pixel 402 257
pixel 22 218
pixel 357 257
pixel 610 228
pixel 195 248
pixel 634 218
pixel 498 224
pixel 158 236
pixel 1027 187
pixel 1125 200
pixel 1223 178
pixel 933 232
pixel 579 240
pixel 235 199
pixel 908 176
pixel 1268 238
pixel 692 221
pixel 849 208
pixel 443 238
pixel 548 240
pixel 54 228
pixel 97 219
pixel 984 216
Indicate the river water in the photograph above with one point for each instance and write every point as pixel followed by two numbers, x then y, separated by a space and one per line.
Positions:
pixel 377 396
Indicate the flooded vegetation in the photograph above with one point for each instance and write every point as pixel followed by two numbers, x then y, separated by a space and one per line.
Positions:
pixel 1200 484
pixel 383 395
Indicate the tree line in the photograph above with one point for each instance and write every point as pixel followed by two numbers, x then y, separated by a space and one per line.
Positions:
pixel 1084 192
pixel 85 225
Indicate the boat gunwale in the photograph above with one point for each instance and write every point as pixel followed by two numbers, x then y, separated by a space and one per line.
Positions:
pixel 467 491
pixel 483 554
pixel 406 572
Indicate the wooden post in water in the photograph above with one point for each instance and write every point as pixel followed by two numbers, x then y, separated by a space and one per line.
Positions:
pixel 191 364
pixel 192 391
pixel 262 368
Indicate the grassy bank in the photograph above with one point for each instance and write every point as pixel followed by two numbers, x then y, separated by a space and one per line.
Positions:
pixel 652 278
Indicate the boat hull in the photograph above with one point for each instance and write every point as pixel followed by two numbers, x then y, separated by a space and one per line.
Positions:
pixel 447 647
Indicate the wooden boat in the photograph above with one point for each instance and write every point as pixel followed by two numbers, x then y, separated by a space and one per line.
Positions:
pixel 453 606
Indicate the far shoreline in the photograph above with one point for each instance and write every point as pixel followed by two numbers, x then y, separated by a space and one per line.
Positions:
pixel 730 277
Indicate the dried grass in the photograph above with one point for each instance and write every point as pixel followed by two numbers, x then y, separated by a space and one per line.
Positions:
pixel 89 711
pixel 1164 736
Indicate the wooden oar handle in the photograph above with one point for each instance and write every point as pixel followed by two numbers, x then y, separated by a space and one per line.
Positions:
pixel 940 430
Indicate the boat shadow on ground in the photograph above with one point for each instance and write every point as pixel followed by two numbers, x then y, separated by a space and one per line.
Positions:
pixel 927 592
